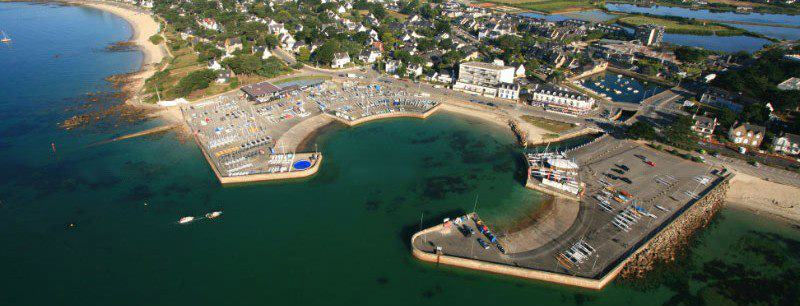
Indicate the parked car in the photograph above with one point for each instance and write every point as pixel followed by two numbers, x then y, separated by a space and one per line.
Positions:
pixel 483 243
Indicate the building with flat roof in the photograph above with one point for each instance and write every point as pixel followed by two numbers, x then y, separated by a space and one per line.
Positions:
pixel 487 79
pixel 261 92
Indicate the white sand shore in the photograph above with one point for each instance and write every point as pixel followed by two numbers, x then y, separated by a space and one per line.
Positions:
pixel 758 195
pixel 144 25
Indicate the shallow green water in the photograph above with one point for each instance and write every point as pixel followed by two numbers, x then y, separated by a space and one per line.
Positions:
pixel 339 238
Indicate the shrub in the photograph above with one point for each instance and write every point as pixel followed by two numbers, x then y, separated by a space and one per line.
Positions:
pixel 156 39
pixel 195 80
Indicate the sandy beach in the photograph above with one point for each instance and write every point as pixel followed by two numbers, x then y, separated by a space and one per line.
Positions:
pixel 143 25
pixel 761 196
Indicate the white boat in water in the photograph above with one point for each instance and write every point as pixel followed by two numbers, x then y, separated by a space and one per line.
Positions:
pixel 185 220
pixel 214 214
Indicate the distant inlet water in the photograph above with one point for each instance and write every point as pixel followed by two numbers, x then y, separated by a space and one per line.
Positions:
pixel 339 238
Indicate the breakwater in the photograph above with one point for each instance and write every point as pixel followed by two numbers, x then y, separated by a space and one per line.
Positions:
pixel 674 237
pixel 662 244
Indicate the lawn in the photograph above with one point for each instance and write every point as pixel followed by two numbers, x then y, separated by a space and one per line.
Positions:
pixel 548 124
pixel 549 6
pixel 680 27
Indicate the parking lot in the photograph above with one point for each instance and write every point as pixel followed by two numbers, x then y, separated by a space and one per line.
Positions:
pixel 239 135
pixel 615 214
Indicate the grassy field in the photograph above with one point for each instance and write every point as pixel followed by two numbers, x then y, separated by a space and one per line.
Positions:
pixel 550 125
pixel 680 27
pixel 549 6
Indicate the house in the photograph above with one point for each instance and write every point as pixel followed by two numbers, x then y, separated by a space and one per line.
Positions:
pixel 224 76
pixel 787 143
pixel 443 77
pixel 370 55
pixel 414 70
pixel 519 72
pixel 340 59
pixel 209 23
pixel 746 134
pixel 214 65
pixel 265 53
pixel 704 126
pixel 392 66
pixel 232 44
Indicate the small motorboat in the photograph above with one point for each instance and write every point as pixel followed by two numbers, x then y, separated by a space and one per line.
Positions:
pixel 213 215
pixel 185 220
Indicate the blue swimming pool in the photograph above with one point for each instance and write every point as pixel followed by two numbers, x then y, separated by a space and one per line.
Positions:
pixel 302 164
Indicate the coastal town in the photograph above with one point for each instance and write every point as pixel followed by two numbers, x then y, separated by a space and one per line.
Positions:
pixel 670 132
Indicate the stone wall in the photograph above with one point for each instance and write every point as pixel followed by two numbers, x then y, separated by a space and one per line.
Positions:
pixel 674 237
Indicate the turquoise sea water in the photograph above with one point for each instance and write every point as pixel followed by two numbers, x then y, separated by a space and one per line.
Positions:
pixel 339 238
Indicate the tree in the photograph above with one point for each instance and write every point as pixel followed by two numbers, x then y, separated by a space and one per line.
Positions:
pixel 679 133
pixel 156 39
pixel 303 54
pixel 324 54
pixel 195 80
pixel 691 54
pixel 244 64
pixel 641 130
pixel 271 41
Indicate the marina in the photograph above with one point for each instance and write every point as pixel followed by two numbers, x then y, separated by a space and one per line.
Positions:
pixel 240 134
pixel 620 88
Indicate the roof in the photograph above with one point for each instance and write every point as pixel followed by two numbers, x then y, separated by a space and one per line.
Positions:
pixel 792 138
pixel 341 55
pixel 550 90
pixel 487 66
pixel 750 128
pixel 790 84
pixel 705 122
pixel 260 89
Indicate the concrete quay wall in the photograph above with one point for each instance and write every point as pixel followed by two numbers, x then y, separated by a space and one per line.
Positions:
pixel 274 176
pixel 504 269
pixel 387 116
